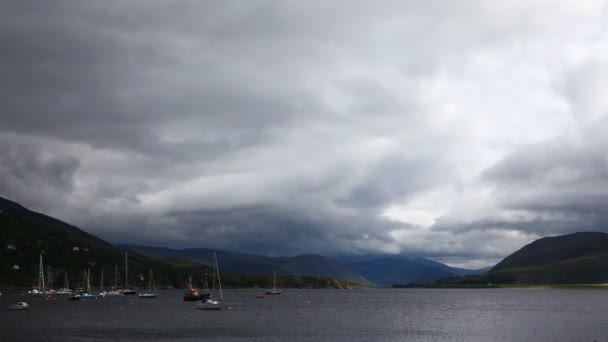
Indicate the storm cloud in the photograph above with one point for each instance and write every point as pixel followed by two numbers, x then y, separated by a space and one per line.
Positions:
pixel 458 131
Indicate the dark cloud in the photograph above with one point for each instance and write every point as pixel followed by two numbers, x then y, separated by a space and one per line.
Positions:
pixel 291 127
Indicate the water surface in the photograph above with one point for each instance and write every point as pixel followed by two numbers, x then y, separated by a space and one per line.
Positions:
pixel 319 315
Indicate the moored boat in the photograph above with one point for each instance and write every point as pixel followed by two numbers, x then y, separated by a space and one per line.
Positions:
pixel 114 291
pixel 40 291
pixel 208 303
pixel 151 289
pixel 19 306
pixel 127 290
pixel 191 293
pixel 66 287
pixel 274 290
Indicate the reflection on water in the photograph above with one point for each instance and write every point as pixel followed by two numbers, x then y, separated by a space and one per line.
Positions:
pixel 318 315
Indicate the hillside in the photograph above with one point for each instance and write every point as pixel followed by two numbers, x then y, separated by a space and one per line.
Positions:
pixel 302 265
pixel 25 234
pixel 579 258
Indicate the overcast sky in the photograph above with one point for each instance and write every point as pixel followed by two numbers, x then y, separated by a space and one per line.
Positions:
pixel 455 130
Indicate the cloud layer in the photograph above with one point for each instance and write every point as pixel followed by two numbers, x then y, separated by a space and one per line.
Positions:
pixel 455 131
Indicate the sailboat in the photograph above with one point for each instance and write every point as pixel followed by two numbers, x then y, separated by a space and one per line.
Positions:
pixel 151 289
pixel 274 290
pixel 102 292
pixel 66 286
pixel 208 303
pixel 41 290
pixel 114 291
pixel 87 294
pixel 127 290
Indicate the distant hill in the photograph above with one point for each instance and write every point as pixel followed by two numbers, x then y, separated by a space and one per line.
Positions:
pixel 376 269
pixel 579 258
pixel 389 270
pixel 258 264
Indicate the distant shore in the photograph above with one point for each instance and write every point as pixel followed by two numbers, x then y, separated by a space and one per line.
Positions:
pixel 506 286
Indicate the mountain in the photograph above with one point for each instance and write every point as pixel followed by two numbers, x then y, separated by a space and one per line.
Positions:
pixel 402 269
pixel 579 258
pixel 232 262
pixel 368 269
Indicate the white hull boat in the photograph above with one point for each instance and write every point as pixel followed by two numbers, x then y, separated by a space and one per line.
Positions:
pixel 209 304
pixel 19 306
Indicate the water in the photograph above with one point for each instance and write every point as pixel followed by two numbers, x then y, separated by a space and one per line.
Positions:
pixel 319 315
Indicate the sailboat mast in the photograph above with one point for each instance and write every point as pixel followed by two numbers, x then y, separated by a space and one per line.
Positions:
pixel 41 276
pixel 126 271
pixel 89 279
pixel 101 282
pixel 115 277
pixel 219 282
pixel 66 285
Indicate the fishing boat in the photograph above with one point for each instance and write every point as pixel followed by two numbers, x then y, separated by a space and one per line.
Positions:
pixel 127 290
pixel 209 303
pixel 274 290
pixel 19 306
pixel 151 289
pixel 66 287
pixel 40 291
pixel 190 293
pixel 114 291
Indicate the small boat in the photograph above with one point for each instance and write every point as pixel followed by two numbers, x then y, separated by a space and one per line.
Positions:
pixel 151 289
pixel 114 291
pixel 191 293
pixel 66 287
pixel 74 296
pixel 102 292
pixel 41 290
pixel 87 294
pixel 274 290
pixel 19 306
pixel 208 303
pixel 127 290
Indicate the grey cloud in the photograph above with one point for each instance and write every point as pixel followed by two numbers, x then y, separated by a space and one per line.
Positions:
pixel 30 174
pixel 272 127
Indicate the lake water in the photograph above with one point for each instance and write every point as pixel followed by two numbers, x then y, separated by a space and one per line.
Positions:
pixel 319 315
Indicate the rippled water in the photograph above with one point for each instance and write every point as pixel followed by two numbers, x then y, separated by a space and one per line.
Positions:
pixel 319 315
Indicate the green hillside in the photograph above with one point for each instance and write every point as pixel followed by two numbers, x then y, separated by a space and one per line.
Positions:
pixel 25 234
pixel 579 258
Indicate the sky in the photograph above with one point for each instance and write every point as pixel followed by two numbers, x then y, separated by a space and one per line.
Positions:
pixel 454 130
